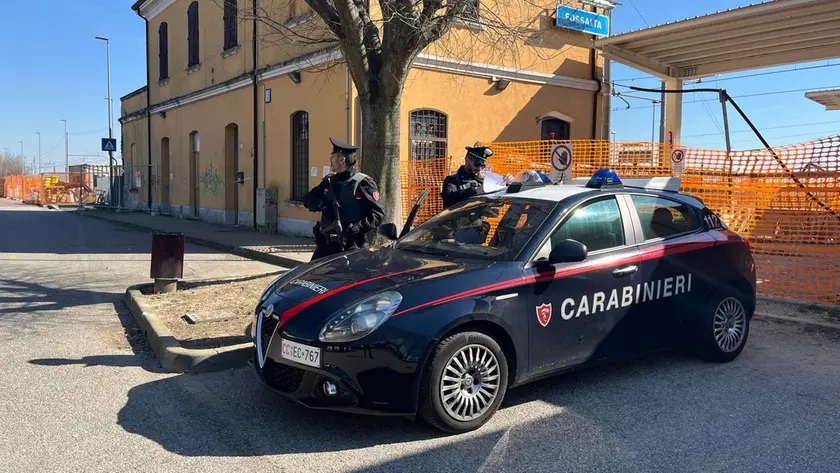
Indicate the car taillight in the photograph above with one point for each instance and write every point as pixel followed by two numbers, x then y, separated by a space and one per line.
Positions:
pixel 749 245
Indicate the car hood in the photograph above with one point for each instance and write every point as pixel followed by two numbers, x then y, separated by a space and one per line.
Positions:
pixel 374 268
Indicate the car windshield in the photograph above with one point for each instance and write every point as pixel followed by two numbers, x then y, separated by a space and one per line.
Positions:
pixel 497 228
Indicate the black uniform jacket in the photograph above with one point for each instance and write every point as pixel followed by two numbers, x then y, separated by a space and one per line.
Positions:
pixel 360 208
pixel 460 186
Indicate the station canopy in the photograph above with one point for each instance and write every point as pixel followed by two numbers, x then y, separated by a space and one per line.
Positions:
pixel 769 34
pixel 829 98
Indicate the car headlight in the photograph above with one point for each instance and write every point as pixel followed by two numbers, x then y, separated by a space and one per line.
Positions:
pixel 360 320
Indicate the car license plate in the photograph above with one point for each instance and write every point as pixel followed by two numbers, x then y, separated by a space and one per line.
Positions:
pixel 303 354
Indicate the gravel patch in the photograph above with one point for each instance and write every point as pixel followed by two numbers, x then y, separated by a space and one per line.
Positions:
pixel 231 299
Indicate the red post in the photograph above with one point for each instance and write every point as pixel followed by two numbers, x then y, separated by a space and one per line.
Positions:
pixel 167 261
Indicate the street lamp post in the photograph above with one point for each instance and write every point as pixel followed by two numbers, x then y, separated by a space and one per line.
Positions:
pixel 110 117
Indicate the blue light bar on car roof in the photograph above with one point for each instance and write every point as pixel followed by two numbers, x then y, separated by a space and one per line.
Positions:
pixel 604 177
pixel 528 180
pixel 607 178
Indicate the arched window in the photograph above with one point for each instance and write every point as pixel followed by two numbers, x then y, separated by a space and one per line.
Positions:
pixel 192 34
pixel 427 134
pixel 230 12
pixel 555 129
pixel 163 48
pixel 300 155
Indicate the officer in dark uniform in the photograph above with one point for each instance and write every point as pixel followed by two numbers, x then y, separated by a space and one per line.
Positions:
pixel 359 208
pixel 469 179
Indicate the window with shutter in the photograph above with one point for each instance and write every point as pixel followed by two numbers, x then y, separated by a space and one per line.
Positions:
pixel 163 46
pixel 192 34
pixel 230 13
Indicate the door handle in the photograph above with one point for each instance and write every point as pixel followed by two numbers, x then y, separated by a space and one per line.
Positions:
pixel 627 270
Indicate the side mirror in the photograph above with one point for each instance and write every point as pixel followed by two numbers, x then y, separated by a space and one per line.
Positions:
pixel 567 251
pixel 388 230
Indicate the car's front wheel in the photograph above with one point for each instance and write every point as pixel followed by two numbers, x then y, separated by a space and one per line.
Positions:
pixel 724 327
pixel 465 384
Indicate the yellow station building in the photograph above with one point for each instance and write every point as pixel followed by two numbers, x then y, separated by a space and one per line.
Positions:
pixel 203 137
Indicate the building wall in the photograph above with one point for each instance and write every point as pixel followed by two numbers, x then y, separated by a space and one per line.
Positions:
pixel 475 109
pixel 215 65
pixel 215 177
pixel 133 102
pixel 134 152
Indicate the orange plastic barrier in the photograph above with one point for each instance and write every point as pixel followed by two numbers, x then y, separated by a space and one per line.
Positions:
pixel 51 188
pixel 787 202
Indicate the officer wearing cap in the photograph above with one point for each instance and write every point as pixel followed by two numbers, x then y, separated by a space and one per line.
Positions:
pixel 469 179
pixel 359 208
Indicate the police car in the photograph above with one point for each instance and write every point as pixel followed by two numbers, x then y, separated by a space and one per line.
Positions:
pixel 503 289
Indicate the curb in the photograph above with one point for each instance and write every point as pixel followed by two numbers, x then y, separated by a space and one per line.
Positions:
pixel 796 320
pixel 235 250
pixel 171 355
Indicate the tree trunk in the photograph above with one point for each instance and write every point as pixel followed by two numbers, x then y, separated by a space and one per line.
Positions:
pixel 380 153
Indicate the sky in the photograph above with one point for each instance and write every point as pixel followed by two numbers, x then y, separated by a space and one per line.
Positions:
pixel 54 69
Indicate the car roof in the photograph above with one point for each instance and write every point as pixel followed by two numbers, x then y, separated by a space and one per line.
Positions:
pixel 576 188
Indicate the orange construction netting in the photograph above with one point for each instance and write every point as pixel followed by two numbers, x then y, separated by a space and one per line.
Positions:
pixel 787 202
pixel 51 188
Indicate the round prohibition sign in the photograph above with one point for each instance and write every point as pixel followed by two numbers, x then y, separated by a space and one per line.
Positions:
pixel 677 156
pixel 561 157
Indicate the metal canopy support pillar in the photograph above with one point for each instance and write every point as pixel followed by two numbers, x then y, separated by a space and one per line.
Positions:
pixel 673 110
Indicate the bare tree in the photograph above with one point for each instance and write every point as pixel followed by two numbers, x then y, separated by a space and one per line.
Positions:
pixel 379 48
pixel 10 164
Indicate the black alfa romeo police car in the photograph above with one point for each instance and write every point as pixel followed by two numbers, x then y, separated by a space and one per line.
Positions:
pixel 503 289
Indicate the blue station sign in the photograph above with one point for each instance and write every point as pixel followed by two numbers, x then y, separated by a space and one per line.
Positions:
pixel 582 20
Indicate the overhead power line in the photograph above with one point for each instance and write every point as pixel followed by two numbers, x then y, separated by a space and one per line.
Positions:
pixel 757 94
pixel 765 128
pixel 757 74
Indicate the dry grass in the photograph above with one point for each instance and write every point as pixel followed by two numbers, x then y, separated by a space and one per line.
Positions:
pixel 235 299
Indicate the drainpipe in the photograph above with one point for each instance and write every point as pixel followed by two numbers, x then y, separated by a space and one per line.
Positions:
pixel 347 102
pixel 597 92
pixel 148 116
pixel 256 110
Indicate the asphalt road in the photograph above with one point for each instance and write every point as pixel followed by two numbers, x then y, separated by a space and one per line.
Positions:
pixel 79 390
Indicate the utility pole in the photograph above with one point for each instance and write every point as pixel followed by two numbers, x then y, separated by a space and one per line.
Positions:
pixel 39 151
pixel 110 118
pixel 66 152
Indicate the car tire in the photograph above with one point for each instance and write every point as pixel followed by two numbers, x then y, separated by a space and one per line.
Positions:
pixel 463 406
pixel 724 327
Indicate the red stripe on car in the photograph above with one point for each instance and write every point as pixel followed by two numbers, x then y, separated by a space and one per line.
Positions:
pixel 303 305
pixel 638 256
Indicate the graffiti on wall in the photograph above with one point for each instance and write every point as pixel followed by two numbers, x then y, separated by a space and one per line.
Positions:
pixel 211 180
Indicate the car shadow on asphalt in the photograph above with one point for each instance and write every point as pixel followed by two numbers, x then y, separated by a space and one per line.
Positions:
pixel 27 297
pixel 227 413
pixel 141 352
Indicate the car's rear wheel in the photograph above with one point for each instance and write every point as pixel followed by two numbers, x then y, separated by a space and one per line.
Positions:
pixel 724 327
pixel 465 384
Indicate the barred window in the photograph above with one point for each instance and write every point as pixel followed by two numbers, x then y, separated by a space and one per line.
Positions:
pixel 555 129
pixel 192 34
pixel 300 155
pixel 163 50
pixel 230 12
pixel 428 134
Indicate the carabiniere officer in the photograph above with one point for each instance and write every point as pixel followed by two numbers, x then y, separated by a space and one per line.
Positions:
pixel 358 205
pixel 469 179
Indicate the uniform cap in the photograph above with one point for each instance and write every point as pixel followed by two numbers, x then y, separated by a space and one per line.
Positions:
pixel 344 149
pixel 479 154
